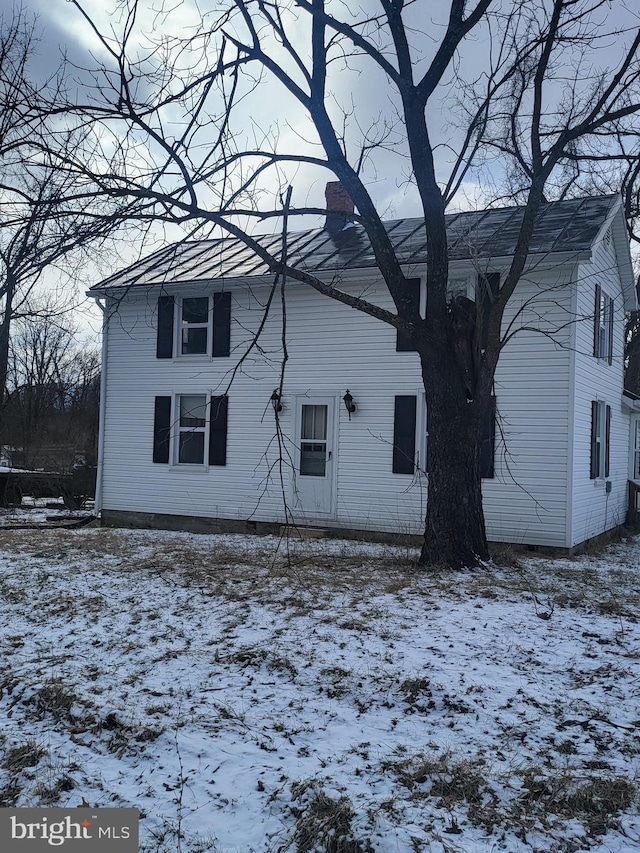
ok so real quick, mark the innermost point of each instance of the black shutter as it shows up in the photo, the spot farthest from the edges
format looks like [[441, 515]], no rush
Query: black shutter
[[218, 431], [404, 434], [607, 442], [164, 346], [161, 429], [487, 288], [610, 323], [594, 444], [488, 442], [596, 322], [221, 324], [412, 299]]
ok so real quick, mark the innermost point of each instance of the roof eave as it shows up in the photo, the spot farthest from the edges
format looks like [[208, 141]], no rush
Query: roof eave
[[620, 237], [537, 260]]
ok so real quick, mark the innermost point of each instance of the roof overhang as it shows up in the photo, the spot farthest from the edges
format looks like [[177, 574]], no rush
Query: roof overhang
[[535, 262], [620, 236], [630, 404]]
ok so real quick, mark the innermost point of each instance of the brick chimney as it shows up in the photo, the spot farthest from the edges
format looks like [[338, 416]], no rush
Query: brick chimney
[[339, 207]]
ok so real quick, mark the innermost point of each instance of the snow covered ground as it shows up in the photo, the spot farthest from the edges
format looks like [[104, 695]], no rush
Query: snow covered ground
[[247, 697], [40, 511]]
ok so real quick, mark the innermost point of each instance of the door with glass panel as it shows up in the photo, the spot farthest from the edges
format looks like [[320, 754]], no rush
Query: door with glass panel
[[314, 480]]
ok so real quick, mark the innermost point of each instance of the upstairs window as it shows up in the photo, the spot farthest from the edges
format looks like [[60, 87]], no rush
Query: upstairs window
[[195, 325], [457, 287], [603, 326], [203, 326]]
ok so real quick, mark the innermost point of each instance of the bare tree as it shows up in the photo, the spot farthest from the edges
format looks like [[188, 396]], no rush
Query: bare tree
[[16, 45], [548, 96], [43, 228], [51, 412]]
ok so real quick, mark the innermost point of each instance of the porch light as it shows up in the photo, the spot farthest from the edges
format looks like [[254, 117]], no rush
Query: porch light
[[276, 400], [349, 405]]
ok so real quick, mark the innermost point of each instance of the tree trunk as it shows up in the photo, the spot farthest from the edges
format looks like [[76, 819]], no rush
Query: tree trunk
[[455, 533], [5, 327], [4, 360]]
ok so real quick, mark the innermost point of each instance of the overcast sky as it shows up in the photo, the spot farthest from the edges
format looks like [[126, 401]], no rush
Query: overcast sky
[[62, 30], [361, 87]]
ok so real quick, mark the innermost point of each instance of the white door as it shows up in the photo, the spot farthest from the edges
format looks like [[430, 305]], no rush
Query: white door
[[314, 480]]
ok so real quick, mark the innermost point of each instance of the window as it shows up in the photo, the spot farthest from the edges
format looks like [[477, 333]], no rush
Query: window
[[600, 439], [197, 431], [404, 438], [194, 335], [457, 287], [603, 326], [191, 429], [313, 441], [404, 434], [203, 326]]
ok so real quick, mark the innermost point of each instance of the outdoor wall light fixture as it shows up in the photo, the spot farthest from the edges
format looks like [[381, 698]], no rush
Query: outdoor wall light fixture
[[276, 400], [349, 405]]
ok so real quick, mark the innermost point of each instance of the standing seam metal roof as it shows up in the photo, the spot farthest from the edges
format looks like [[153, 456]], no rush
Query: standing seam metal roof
[[562, 226]]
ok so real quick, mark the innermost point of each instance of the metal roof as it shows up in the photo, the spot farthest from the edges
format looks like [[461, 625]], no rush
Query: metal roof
[[561, 226]]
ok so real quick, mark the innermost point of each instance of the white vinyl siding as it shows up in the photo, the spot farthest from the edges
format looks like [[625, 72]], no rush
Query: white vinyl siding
[[331, 349], [594, 508], [526, 501]]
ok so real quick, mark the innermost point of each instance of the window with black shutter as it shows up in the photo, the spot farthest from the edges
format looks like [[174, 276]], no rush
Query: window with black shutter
[[595, 444], [600, 454], [404, 434], [603, 316], [412, 300], [204, 326], [195, 441], [607, 441], [487, 444]]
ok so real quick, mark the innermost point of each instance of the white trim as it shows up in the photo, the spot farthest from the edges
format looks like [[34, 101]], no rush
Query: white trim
[[176, 429], [571, 413], [601, 439], [420, 458], [634, 423], [178, 327], [606, 311], [333, 402], [97, 505]]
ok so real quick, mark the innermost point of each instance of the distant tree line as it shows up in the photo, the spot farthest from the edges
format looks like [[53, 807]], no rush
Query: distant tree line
[[49, 415]]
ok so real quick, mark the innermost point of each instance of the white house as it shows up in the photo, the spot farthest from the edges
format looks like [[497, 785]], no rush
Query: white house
[[188, 431]]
